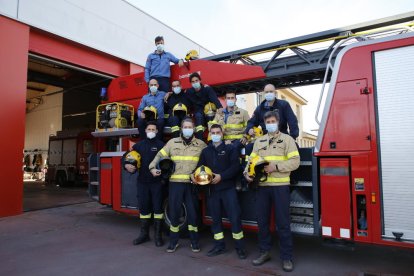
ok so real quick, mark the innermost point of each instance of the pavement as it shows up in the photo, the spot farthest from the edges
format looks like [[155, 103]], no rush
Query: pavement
[[90, 239]]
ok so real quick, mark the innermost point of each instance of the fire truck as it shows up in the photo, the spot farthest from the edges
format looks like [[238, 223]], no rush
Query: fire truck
[[357, 183]]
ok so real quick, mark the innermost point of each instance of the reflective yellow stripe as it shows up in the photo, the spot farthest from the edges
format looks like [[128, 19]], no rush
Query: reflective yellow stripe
[[199, 128], [213, 122], [231, 137], [278, 180], [166, 116], [219, 236], [158, 216], [174, 229], [238, 236], [275, 158], [293, 153], [192, 228], [163, 152], [175, 128], [234, 125], [184, 158], [145, 216], [180, 176], [253, 154]]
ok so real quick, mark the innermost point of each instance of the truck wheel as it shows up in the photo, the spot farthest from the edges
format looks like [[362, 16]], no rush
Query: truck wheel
[[183, 225], [61, 179]]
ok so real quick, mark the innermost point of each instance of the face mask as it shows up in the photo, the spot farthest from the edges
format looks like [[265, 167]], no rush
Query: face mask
[[188, 132], [272, 128], [216, 138], [269, 96], [151, 135], [177, 90], [153, 89], [230, 103], [160, 47], [196, 85]]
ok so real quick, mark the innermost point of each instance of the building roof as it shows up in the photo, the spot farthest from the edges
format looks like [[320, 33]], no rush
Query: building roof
[[293, 94]]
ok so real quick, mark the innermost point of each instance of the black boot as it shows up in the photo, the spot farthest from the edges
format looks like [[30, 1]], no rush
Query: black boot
[[158, 232], [144, 235]]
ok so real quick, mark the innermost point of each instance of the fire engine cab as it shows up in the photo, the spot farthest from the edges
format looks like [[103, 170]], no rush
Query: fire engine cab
[[357, 184]]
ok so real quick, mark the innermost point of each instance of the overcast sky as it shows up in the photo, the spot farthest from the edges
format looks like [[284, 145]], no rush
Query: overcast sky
[[228, 25]]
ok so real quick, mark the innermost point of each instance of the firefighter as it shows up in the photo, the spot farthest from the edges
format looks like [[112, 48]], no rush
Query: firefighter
[[223, 160], [158, 65], [149, 187], [279, 149], [151, 108], [200, 95], [184, 151], [178, 105]]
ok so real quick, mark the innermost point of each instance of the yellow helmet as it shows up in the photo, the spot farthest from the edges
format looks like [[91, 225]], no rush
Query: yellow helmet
[[256, 168], [133, 158], [191, 55], [150, 113], [258, 131], [210, 109], [180, 109], [203, 175]]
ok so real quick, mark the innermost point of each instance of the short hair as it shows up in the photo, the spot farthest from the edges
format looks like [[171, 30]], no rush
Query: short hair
[[187, 120], [153, 79], [159, 38], [194, 75], [274, 87], [270, 114], [230, 92], [175, 81], [152, 123], [216, 126]]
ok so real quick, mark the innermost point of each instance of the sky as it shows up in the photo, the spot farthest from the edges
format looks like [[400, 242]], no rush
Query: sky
[[228, 25]]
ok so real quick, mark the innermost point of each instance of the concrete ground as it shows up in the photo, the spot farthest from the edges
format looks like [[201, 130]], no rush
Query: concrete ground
[[89, 239]]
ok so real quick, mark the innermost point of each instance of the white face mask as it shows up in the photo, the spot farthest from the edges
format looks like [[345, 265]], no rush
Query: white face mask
[[196, 85], [151, 135], [272, 128], [230, 103], [187, 132], [269, 96], [153, 89], [160, 47], [177, 90], [215, 138]]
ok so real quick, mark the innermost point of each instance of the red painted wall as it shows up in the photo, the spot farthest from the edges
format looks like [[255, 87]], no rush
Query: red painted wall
[[13, 78]]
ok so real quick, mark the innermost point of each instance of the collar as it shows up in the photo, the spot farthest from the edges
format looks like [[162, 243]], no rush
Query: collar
[[219, 147], [267, 106], [272, 138], [229, 112], [187, 141]]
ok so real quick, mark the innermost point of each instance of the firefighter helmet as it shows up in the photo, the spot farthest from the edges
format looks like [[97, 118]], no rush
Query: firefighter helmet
[[150, 113], [191, 55], [180, 110], [133, 158], [166, 166], [203, 175], [256, 168], [210, 110]]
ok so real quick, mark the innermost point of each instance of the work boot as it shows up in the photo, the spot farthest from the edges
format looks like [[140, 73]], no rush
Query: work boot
[[144, 235], [264, 257], [217, 250], [195, 247], [172, 247], [158, 233], [287, 265], [241, 253]]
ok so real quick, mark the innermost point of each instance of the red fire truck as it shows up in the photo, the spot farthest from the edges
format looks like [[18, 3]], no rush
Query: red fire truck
[[357, 183]]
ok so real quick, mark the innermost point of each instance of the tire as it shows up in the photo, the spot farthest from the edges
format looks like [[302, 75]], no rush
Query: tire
[[183, 219]]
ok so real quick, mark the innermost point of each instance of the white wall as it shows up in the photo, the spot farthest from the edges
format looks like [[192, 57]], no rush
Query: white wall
[[112, 26]]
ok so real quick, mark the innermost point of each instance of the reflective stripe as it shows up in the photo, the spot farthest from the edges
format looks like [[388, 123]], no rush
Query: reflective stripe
[[158, 216], [234, 125], [213, 122], [192, 228], [238, 236], [277, 179], [184, 158], [145, 216], [274, 158], [253, 154], [219, 236], [293, 153], [231, 137], [180, 176], [174, 229], [163, 152], [175, 128], [199, 128], [166, 116]]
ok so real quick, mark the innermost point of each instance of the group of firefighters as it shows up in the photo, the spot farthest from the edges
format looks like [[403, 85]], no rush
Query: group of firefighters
[[186, 160]]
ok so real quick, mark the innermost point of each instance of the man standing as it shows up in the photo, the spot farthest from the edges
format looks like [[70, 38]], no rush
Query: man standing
[[223, 160], [178, 105], [185, 152], [154, 101], [149, 187], [158, 65], [280, 151], [200, 95]]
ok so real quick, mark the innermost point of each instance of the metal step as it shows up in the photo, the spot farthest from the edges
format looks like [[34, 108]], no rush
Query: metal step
[[301, 204], [302, 228], [301, 211], [95, 198], [94, 183], [301, 219], [306, 163], [302, 184], [94, 169]]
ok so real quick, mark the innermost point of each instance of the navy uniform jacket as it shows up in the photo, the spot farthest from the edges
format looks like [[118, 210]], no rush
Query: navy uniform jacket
[[200, 98], [147, 148], [222, 160], [287, 117], [178, 98]]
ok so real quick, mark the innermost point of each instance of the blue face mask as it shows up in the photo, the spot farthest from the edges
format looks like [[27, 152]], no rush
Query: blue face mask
[[230, 103], [269, 96], [153, 89], [177, 90], [196, 85], [188, 132], [215, 138], [160, 47], [272, 128]]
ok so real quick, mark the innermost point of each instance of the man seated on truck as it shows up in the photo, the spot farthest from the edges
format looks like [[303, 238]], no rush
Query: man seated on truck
[[153, 102], [158, 65], [199, 96], [178, 106], [149, 187], [223, 160], [280, 151]]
